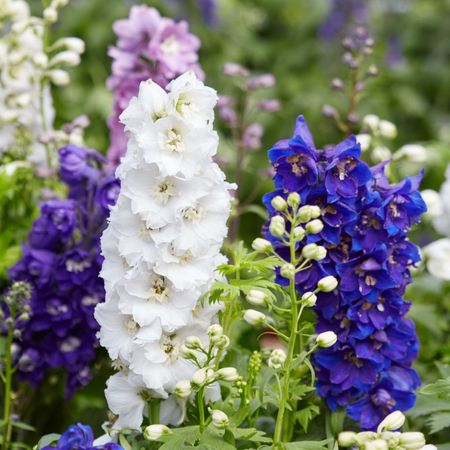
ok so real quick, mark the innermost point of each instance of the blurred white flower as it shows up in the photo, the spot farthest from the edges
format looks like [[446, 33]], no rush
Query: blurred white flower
[[437, 255]]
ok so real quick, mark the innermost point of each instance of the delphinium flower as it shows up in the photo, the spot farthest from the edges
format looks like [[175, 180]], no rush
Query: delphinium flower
[[365, 225], [30, 63], [161, 246], [61, 261], [80, 437], [148, 46], [241, 115]]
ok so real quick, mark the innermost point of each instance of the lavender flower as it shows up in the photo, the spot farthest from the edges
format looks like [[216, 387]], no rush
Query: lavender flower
[[366, 221], [61, 261], [148, 46]]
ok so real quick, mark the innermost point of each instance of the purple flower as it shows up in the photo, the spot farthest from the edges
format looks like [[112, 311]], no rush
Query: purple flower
[[148, 46], [62, 261], [366, 221], [252, 136], [80, 437]]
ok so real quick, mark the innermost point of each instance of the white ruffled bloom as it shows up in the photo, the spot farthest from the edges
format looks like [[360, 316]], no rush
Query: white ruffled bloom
[[162, 246], [437, 256], [26, 105]]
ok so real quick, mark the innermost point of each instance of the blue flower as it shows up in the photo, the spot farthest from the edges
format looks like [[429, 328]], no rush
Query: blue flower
[[366, 220]]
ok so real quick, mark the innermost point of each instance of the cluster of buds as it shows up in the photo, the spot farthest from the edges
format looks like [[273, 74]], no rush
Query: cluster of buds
[[234, 115], [357, 47], [15, 308], [386, 437]]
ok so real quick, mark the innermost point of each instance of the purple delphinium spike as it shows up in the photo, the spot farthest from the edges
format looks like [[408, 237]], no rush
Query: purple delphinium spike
[[148, 46], [61, 261], [366, 221]]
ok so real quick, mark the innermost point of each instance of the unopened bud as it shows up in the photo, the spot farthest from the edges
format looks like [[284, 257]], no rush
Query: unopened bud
[[201, 377], [256, 297], [314, 252], [279, 203], [327, 284], [154, 432], [73, 44], [50, 15], [346, 438], [193, 343], [215, 331], [227, 374], [299, 233], [40, 60], [59, 77], [219, 419], [309, 299], [277, 358], [315, 226], [66, 58], [412, 440], [183, 389], [288, 271], [187, 353], [364, 140], [326, 339], [387, 129], [293, 200], [277, 226], [253, 317], [261, 245], [377, 444], [393, 421], [372, 122], [221, 341]]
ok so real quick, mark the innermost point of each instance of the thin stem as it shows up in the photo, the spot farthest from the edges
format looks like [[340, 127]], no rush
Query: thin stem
[[290, 356], [7, 432], [201, 408]]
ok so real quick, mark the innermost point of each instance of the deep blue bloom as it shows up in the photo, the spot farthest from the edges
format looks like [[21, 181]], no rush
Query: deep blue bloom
[[366, 220], [80, 437], [62, 262]]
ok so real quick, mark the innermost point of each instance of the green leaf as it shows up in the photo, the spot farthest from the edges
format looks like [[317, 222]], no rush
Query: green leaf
[[441, 387], [305, 415], [213, 438], [23, 426], [438, 421], [48, 439], [250, 434], [124, 443], [180, 437], [426, 405], [307, 445]]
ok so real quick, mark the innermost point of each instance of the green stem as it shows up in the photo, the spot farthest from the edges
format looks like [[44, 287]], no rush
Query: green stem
[[290, 356], [7, 432], [201, 409]]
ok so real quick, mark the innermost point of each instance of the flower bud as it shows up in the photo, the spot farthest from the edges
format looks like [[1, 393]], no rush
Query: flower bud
[[365, 436], [73, 44], [40, 60], [293, 200], [315, 226], [429, 447], [193, 343], [261, 245], [364, 140], [346, 438], [372, 122], [288, 271], [215, 332], [254, 317], [387, 129], [299, 233], [381, 153], [377, 444], [66, 58], [187, 353], [326, 339], [227, 374], [50, 15], [314, 251], [433, 200], [304, 213], [59, 77], [8, 116], [183, 389], [315, 211], [327, 284], [277, 358], [221, 341], [413, 152], [201, 377], [309, 299], [219, 419], [277, 226], [154, 432], [412, 440], [393, 421], [256, 297], [279, 203]]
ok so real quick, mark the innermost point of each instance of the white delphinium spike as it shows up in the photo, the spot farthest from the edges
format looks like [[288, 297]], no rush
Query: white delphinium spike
[[162, 244]]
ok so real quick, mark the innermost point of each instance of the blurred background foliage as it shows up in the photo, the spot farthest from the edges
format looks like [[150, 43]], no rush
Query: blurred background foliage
[[293, 40]]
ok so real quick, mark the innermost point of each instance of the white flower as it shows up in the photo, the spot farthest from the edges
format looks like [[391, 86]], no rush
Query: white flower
[[413, 152], [437, 255], [364, 140], [128, 397], [192, 100], [381, 153], [432, 199], [387, 129], [175, 146]]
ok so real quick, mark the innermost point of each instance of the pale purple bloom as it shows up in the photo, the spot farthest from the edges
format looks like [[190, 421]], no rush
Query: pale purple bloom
[[234, 70], [262, 81], [252, 136]]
